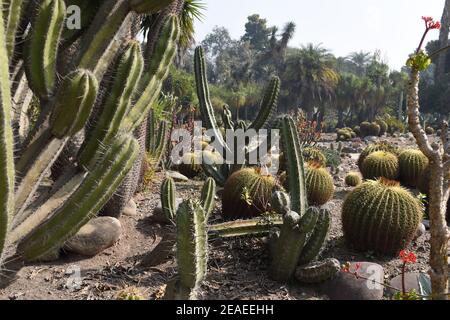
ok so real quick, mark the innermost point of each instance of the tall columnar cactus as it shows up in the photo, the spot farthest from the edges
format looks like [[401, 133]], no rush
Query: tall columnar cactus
[[168, 202], [381, 164], [268, 108], [381, 216], [37, 224], [303, 233], [412, 166], [192, 251]]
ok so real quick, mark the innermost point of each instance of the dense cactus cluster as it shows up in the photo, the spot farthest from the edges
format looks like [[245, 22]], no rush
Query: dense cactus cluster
[[353, 179], [345, 134], [369, 129], [247, 194], [412, 165], [381, 164], [381, 216], [67, 95], [383, 127], [319, 184]]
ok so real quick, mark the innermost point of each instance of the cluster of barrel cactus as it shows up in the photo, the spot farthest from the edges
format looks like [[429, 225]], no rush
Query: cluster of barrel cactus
[[305, 229], [221, 171], [67, 96], [369, 129], [381, 216], [345, 134]]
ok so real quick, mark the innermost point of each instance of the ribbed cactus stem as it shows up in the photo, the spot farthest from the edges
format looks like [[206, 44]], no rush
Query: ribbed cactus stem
[[281, 203], [227, 118], [12, 23], [239, 228], [268, 105], [294, 164], [94, 54], [208, 196], [127, 74], [93, 193], [168, 202], [192, 242], [42, 46], [316, 240], [206, 108], [289, 245], [155, 74], [6, 143], [318, 272]]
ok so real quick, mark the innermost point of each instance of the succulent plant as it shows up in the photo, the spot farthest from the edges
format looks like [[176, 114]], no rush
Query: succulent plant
[[222, 171], [383, 126], [353, 179], [381, 216], [412, 166], [314, 154], [369, 129], [319, 184], [380, 146], [381, 164], [191, 165], [67, 95], [247, 194], [429, 130]]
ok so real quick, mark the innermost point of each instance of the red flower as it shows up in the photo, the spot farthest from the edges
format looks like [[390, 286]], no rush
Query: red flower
[[431, 24], [408, 257]]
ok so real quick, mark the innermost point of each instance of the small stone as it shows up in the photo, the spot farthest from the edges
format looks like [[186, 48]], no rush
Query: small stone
[[131, 209], [421, 231], [426, 223], [96, 236], [158, 209], [176, 176], [371, 139], [346, 286]]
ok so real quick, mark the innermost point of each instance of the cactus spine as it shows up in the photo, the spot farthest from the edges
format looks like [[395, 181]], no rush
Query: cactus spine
[[380, 216], [381, 164], [412, 166], [319, 184], [192, 251], [44, 39], [168, 204], [6, 144]]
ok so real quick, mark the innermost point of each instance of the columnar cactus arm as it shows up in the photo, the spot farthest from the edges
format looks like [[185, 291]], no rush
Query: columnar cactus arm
[[95, 53], [227, 118], [294, 165], [168, 204], [155, 75], [206, 108], [290, 244], [268, 105], [208, 196], [316, 240], [44, 39], [241, 228], [6, 144], [93, 193], [213, 172], [192, 241], [127, 74], [12, 22], [318, 272]]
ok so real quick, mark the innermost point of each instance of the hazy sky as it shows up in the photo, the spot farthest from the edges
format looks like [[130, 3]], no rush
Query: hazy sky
[[343, 26]]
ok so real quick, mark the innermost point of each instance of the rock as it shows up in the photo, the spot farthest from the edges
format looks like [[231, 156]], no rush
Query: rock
[[411, 282], [131, 209], [372, 139], [158, 209], [426, 223], [346, 286], [421, 231], [97, 235], [176, 176], [348, 149]]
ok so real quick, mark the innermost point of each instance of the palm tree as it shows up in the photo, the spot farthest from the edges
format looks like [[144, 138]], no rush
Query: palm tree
[[310, 73], [360, 60]]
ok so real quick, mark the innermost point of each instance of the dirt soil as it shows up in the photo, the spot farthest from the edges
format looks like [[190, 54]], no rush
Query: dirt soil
[[237, 268]]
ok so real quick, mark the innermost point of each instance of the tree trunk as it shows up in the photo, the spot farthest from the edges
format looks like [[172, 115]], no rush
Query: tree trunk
[[441, 67], [439, 157]]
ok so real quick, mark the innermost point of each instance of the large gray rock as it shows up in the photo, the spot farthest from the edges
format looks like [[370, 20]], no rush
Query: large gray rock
[[96, 236], [411, 282], [346, 286]]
